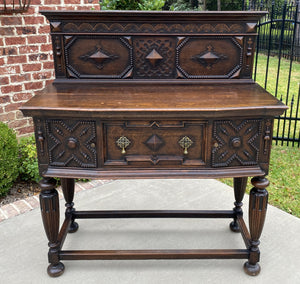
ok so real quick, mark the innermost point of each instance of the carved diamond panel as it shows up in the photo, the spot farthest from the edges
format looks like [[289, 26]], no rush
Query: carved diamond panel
[[236, 143], [71, 143], [98, 56], [208, 57], [154, 142], [154, 57]]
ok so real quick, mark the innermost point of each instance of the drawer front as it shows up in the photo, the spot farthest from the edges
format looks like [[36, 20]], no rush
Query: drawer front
[[95, 148], [155, 144], [71, 143], [237, 143]]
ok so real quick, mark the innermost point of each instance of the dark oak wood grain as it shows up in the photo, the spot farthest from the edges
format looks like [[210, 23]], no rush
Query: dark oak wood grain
[[154, 254], [154, 100], [153, 95]]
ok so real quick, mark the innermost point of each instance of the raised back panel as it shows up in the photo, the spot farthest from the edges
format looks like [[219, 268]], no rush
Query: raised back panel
[[153, 45]]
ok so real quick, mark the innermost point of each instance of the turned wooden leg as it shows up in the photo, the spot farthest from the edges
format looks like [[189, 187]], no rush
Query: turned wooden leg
[[68, 185], [239, 185], [257, 212], [49, 202]]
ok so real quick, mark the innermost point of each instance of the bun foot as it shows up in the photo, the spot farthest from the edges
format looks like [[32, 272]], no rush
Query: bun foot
[[251, 269], [55, 270], [234, 227], [73, 227]]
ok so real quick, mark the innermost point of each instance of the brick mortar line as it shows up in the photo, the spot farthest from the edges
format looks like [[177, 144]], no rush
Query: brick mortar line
[[15, 207], [3, 213], [24, 200]]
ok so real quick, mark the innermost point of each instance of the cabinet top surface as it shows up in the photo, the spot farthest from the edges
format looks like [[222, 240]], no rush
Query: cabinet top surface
[[149, 97], [158, 15]]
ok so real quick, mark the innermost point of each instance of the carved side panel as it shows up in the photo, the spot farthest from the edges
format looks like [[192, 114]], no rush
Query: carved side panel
[[249, 47], [71, 143], [209, 57], [267, 135], [98, 57], [236, 143], [154, 57], [41, 144], [58, 55]]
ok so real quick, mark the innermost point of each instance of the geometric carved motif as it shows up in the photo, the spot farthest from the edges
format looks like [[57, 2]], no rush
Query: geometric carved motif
[[130, 27], [154, 57], [154, 143], [208, 57], [220, 57], [99, 57], [236, 143], [71, 143]]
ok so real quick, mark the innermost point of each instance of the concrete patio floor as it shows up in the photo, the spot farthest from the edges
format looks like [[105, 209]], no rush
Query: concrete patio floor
[[23, 244]]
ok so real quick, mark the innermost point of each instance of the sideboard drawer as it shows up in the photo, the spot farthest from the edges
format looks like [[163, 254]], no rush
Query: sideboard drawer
[[237, 142], [70, 143], [162, 144], [155, 143]]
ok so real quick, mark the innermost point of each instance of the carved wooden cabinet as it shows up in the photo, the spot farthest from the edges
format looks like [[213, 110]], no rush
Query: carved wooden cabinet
[[149, 95]]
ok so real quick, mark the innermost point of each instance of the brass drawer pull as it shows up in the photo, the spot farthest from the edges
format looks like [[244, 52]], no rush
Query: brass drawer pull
[[185, 143], [123, 142]]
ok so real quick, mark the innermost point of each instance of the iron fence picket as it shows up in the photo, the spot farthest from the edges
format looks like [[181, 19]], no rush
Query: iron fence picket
[[278, 36]]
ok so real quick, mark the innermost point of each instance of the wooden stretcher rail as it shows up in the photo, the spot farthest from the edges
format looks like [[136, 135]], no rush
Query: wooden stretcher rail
[[244, 231], [154, 214], [154, 254]]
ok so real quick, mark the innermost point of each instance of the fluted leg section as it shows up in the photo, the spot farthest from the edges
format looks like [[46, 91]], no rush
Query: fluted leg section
[[68, 185], [49, 202], [257, 212], [239, 185]]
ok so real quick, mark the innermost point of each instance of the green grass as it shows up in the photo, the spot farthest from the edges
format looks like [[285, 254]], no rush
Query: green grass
[[284, 176], [281, 90], [283, 76]]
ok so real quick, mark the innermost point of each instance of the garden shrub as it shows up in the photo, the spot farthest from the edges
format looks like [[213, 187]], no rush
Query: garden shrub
[[180, 5], [9, 161], [131, 4], [29, 170]]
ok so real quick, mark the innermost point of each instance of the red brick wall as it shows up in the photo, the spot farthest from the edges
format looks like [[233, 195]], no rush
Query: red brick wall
[[26, 58]]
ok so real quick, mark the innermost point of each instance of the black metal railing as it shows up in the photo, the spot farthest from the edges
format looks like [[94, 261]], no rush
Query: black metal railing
[[13, 6], [278, 47]]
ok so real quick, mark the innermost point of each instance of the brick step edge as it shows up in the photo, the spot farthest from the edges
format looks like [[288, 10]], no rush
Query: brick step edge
[[21, 206]]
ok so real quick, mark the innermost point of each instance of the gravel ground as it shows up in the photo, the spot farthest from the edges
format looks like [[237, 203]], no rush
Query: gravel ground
[[20, 190]]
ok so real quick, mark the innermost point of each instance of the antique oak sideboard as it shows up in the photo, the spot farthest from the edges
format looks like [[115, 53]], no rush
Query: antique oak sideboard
[[153, 95]]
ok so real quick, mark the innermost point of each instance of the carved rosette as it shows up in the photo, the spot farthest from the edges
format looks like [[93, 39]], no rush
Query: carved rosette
[[236, 143], [72, 143]]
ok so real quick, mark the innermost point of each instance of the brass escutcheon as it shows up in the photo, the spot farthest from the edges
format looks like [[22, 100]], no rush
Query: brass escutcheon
[[123, 142], [185, 143]]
